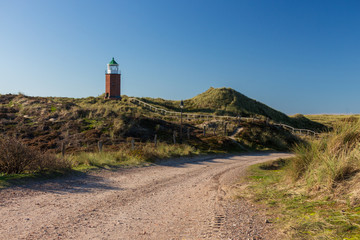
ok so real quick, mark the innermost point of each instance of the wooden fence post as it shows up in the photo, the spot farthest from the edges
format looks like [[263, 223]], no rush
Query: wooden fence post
[[63, 148], [100, 146], [204, 131], [155, 140], [132, 144]]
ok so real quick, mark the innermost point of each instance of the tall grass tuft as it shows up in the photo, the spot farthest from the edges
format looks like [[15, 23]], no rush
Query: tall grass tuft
[[324, 162]]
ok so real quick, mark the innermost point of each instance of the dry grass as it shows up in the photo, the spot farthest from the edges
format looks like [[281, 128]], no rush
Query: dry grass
[[324, 162], [296, 213], [141, 154], [331, 120], [314, 195]]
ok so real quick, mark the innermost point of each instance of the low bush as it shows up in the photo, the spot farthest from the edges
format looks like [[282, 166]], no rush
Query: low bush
[[16, 157]]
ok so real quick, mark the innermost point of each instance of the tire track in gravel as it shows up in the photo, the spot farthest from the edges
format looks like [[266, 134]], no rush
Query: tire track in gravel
[[176, 199]]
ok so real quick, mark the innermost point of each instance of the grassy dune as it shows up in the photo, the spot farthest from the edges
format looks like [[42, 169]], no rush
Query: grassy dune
[[331, 120], [227, 101], [316, 194]]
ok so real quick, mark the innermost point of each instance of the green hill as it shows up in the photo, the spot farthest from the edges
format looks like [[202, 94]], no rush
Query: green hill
[[227, 101]]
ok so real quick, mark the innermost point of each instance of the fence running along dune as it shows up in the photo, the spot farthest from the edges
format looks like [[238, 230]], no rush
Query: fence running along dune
[[205, 117]]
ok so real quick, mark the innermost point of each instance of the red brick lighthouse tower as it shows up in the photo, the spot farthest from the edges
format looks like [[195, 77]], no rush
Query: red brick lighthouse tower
[[112, 81]]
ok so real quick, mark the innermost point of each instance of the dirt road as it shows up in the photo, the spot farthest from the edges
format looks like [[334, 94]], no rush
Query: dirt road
[[181, 199]]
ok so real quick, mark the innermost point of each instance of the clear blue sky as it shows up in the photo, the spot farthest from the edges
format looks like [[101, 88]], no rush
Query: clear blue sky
[[295, 56]]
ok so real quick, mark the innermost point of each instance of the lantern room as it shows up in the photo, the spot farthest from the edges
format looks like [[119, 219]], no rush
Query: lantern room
[[113, 67]]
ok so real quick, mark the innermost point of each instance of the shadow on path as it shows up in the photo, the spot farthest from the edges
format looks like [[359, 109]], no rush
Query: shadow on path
[[71, 182], [181, 162]]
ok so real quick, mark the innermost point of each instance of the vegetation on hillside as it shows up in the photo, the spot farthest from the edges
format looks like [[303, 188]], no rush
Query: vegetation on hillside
[[227, 101], [47, 123], [260, 136]]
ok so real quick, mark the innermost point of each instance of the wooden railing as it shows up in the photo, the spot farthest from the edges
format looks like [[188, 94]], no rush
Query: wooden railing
[[205, 117], [296, 130]]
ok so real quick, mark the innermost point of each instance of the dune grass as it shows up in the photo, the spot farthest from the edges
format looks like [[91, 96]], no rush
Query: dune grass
[[141, 155], [296, 213], [315, 194], [331, 120], [322, 163]]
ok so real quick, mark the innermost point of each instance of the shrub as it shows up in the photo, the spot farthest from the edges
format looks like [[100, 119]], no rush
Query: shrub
[[16, 157]]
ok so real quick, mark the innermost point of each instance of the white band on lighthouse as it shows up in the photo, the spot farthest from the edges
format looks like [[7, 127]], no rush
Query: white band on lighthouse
[[112, 67]]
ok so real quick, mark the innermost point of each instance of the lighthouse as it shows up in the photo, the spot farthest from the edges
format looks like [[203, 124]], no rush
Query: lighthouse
[[112, 80]]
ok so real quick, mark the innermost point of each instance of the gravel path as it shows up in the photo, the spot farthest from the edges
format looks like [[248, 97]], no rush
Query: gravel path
[[178, 199]]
